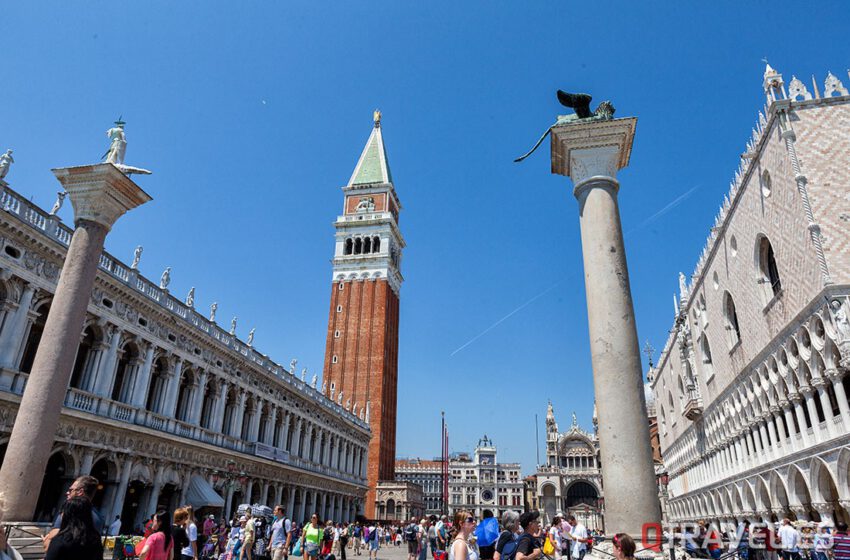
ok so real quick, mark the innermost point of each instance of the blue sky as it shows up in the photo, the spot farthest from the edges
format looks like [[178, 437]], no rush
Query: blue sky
[[253, 114]]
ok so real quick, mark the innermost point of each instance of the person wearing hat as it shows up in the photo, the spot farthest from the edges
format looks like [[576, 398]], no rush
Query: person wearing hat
[[529, 547]]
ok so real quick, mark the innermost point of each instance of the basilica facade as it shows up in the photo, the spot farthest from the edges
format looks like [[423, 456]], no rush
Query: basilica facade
[[570, 482], [165, 406], [751, 388]]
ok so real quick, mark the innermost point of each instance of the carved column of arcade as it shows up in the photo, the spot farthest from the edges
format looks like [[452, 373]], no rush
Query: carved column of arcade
[[197, 405], [296, 437], [835, 377], [819, 383], [155, 490], [284, 433], [100, 194], [271, 422], [143, 376], [236, 428], [104, 376], [788, 415], [12, 338], [264, 495], [121, 491], [797, 400], [290, 503], [254, 427], [218, 415], [169, 406]]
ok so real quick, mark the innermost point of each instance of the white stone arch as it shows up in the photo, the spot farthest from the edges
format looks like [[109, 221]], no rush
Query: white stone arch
[[822, 484], [762, 494], [843, 473], [141, 472], [747, 495], [778, 490], [799, 493]]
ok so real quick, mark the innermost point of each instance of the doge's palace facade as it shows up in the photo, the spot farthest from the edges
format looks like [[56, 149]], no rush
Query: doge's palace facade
[[164, 406], [751, 387]]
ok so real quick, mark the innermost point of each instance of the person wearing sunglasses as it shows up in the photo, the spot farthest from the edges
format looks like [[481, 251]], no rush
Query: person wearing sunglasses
[[311, 538], [463, 527]]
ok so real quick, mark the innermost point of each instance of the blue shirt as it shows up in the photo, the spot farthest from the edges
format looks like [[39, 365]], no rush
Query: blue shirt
[[278, 532]]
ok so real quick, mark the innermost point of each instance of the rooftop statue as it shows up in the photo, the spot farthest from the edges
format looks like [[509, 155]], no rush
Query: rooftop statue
[[251, 337], [580, 103], [60, 198], [292, 365], [190, 298], [233, 325], [213, 309], [137, 256], [117, 149], [6, 161], [165, 279]]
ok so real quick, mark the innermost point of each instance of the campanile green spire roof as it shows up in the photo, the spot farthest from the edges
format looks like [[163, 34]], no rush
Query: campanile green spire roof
[[372, 167]]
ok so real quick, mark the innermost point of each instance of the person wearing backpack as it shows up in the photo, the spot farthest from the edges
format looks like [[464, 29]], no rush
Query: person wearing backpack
[[410, 534], [528, 544], [357, 536], [508, 536], [372, 537]]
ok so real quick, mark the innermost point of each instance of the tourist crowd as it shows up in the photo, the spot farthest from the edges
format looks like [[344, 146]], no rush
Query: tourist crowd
[[259, 533]]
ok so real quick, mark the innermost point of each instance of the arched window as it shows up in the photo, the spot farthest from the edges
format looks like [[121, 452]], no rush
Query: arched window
[[731, 316], [358, 246], [769, 272], [349, 246], [376, 244], [367, 245], [705, 351]]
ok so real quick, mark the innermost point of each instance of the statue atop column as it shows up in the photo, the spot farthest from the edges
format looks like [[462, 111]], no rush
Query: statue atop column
[[60, 199], [6, 161], [315, 381], [137, 256], [339, 398], [213, 309], [292, 365], [118, 148], [165, 279], [325, 387], [251, 337], [683, 288], [233, 325], [304, 375], [190, 298], [580, 103]]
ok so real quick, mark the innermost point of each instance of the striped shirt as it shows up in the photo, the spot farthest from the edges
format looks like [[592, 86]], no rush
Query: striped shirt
[[841, 546]]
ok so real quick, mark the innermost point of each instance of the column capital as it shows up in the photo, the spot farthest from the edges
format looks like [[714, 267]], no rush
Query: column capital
[[100, 193], [586, 148]]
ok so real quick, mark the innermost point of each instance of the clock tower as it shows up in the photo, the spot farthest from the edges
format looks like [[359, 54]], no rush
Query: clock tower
[[361, 354]]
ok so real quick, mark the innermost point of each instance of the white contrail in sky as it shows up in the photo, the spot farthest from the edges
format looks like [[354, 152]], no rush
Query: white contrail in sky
[[506, 317], [678, 200]]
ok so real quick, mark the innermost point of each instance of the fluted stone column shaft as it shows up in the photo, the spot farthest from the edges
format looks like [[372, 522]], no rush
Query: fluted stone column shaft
[[591, 153], [105, 376], [218, 415], [13, 335], [121, 491], [841, 396], [143, 378], [168, 404]]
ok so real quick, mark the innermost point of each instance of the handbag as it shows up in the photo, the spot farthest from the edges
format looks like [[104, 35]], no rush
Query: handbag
[[296, 550], [548, 547], [140, 545]]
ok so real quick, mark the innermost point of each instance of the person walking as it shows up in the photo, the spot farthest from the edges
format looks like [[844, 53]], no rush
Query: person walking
[[486, 535], [191, 550], [249, 535], [357, 537], [77, 537], [555, 537], [841, 542], [790, 540], [462, 528], [374, 540], [280, 536], [311, 538], [422, 537], [624, 546], [159, 545], [442, 533], [343, 540], [411, 537], [432, 533], [579, 537]]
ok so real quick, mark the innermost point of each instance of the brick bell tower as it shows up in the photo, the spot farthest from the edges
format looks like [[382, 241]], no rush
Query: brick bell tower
[[361, 355]]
